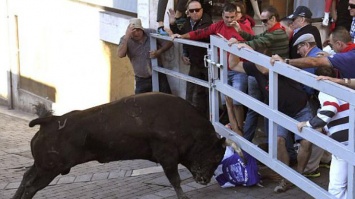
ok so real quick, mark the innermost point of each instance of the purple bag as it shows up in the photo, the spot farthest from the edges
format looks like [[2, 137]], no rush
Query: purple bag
[[233, 171]]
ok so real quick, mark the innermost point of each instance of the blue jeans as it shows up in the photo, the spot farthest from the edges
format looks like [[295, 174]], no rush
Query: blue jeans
[[238, 81], [251, 120], [303, 115]]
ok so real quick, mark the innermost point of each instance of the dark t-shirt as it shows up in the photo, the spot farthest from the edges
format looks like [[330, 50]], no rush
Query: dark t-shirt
[[292, 98]]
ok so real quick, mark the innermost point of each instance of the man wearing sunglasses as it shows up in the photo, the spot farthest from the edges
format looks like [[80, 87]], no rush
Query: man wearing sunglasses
[[194, 56], [352, 13], [274, 39], [225, 29], [302, 24]]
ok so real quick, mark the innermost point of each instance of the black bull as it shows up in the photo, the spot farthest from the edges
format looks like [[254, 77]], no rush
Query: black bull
[[153, 126]]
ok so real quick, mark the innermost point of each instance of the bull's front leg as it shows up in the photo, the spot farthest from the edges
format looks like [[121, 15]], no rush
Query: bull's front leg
[[26, 178], [168, 157], [33, 180], [173, 176]]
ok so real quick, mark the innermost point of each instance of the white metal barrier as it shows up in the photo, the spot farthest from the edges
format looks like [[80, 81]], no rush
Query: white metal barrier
[[217, 84]]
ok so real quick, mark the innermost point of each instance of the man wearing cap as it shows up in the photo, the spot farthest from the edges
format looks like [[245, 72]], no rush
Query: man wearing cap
[[343, 60], [302, 19], [136, 45], [306, 47]]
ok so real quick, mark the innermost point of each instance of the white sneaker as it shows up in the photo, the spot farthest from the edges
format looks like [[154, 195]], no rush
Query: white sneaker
[[325, 21]]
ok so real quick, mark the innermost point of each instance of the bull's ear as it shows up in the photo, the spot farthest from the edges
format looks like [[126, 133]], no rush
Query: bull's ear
[[40, 121]]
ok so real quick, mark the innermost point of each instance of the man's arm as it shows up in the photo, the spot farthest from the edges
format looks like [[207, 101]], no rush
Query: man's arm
[[328, 110], [306, 62], [197, 34], [122, 47], [165, 47], [345, 82], [262, 69], [184, 36]]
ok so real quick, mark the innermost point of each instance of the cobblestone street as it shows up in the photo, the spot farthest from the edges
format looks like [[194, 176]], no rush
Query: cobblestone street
[[123, 179]]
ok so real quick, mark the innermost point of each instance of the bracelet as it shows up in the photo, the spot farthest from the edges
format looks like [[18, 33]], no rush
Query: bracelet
[[287, 61]]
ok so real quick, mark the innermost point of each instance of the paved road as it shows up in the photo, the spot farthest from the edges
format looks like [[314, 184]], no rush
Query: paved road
[[136, 179]]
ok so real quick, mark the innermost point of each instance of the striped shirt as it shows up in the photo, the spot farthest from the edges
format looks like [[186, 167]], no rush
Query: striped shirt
[[270, 42], [335, 115]]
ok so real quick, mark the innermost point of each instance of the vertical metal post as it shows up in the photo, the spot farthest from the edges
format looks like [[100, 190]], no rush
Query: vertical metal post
[[214, 93], [154, 62], [273, 104]]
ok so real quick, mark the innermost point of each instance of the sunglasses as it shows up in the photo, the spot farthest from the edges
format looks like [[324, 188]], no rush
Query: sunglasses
[[266, 20], [195, 10], [352, 6]]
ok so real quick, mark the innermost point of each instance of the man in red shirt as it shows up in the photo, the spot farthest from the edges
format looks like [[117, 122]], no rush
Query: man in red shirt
[[225, 28]]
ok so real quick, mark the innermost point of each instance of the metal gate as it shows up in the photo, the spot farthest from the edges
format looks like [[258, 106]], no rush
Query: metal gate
[[216, 61]]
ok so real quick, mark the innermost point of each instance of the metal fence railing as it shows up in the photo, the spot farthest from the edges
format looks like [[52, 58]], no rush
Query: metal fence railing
[[217, 84]]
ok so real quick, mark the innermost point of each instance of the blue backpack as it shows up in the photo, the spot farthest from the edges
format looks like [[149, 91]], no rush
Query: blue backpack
[[233, 171]]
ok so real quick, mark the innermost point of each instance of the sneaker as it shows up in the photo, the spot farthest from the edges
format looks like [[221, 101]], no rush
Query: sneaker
[[283, 186], [161, 31], [324, 165], [325, 21], [313, 174]]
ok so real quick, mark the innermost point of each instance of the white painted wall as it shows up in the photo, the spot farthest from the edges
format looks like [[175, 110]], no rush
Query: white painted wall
[[4, 52]]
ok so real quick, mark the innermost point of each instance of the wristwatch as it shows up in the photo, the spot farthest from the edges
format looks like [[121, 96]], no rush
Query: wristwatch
[[287, 61]]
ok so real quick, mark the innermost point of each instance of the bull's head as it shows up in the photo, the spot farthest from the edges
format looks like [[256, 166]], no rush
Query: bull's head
[[207, 161]]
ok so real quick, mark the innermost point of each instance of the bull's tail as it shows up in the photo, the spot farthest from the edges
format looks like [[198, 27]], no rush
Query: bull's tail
[[42, 111]]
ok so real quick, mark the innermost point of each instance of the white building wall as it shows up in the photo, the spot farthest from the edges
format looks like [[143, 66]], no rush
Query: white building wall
[[4, 52], [61, 46]]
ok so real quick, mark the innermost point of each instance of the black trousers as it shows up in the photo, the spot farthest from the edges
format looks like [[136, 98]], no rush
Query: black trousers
[[144, 85], [198, 95]]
